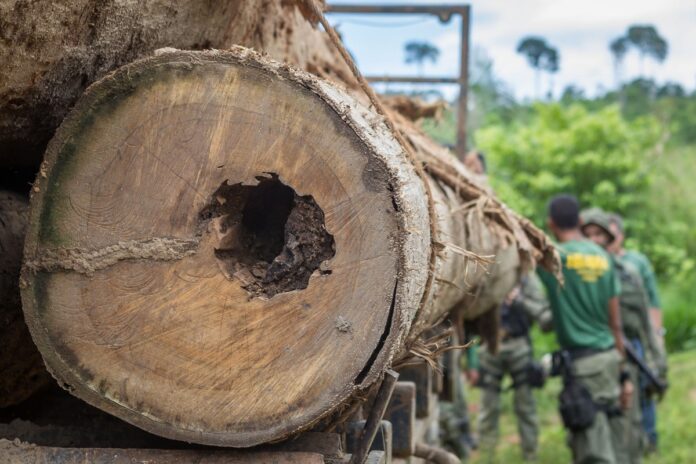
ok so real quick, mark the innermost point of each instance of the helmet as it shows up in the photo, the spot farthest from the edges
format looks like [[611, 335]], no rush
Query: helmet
[[599, 218]]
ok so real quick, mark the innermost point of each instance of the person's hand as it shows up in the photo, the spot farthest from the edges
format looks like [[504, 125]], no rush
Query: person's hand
[[627, 392], [472, 376], [512, 295]]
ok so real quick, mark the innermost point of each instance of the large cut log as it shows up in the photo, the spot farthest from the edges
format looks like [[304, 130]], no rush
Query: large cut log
[[224, 249], [22, 372]]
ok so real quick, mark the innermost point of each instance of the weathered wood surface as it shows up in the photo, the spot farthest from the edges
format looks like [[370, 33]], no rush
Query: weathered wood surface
[[139, 288], [52, 50], [14, 452], [22, 371]]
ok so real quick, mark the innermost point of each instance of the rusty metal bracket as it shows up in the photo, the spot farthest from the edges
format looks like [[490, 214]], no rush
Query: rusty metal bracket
[[375, 417]]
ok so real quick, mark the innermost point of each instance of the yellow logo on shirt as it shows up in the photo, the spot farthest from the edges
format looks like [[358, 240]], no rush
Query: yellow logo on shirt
[[590, 267]]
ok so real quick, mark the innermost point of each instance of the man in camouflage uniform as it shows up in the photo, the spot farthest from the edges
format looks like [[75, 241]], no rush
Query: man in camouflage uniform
[[642, 263], [526, 302], [635, 320]]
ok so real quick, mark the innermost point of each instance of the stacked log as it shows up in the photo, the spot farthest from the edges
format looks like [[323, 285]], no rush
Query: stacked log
[[227, 249], [53, 50], [21, 370]]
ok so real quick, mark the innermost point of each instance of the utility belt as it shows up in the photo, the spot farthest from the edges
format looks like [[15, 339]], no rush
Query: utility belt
[[532, 374], [575, 403], [579, 353]]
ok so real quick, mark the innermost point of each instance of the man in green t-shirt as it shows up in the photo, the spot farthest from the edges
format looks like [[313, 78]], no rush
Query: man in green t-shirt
[[587, 322]]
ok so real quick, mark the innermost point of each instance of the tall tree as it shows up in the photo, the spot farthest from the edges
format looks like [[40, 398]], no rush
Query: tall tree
[[618, 48], [420, 52], [540, 56], [572, 93], [551, 63], [648, 42]]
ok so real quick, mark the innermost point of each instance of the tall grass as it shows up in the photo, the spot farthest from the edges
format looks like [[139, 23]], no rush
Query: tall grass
[[673, 203], [679, 317]]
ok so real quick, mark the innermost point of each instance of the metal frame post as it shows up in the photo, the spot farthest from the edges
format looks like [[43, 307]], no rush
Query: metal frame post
[[462, 106], [444, 14]]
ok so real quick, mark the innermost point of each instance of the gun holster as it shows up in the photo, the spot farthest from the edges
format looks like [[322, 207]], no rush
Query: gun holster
[[536, 378], [575, 403]]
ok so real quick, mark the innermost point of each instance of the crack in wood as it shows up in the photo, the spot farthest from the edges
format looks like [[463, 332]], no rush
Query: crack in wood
[[85, 261]]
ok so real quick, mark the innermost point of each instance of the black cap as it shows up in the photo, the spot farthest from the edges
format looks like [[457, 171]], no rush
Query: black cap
[[564, 211]]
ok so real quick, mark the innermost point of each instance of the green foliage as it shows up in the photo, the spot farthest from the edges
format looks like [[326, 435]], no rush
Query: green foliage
[[636, 165], [607, 161], [672, 215], [679, 317], [444, 130], [669, 103], [597, 156]]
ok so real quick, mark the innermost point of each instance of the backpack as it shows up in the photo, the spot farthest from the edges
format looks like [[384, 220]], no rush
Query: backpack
[[633, 298]]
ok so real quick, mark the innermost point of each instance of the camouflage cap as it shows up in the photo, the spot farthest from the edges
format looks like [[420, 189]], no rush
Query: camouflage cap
[[617, 220], [597, 217]]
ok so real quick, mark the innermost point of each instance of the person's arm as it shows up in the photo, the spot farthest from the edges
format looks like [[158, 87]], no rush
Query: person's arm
[[472, 364], [658, 328], [650, 282], [536, 304], [615, 324]]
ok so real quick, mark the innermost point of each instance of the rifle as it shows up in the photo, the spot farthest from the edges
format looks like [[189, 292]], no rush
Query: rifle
[[656, 383]]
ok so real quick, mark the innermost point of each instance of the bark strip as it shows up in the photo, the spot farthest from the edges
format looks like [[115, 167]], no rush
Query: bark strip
[[88, 261]]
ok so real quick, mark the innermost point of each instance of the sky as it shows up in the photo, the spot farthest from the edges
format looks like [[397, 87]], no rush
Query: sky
[[580, 29]]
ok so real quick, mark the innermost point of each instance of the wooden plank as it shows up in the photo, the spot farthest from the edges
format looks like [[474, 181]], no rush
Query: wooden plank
[[21, 453], [21, 367], [377, 457], [326, 444], [421, 375], [402, 415], [382, 442]]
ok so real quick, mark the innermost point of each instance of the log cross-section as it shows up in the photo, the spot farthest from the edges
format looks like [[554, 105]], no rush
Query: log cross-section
[[222, 249]]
